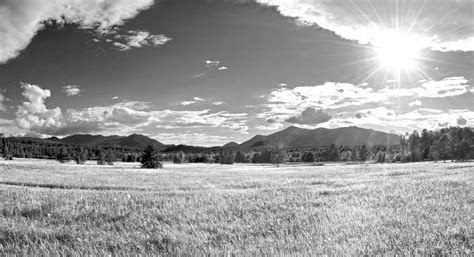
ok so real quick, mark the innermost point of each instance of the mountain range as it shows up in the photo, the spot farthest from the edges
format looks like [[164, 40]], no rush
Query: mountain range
[[299, 137], [289, 137]]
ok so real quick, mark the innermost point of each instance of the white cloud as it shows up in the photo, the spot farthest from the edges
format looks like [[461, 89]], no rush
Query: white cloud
[[218, 103], [34, 116], [195, 100], [20, 20], [284, 101], [138, 39], [222, 68], [384, 119], [71, 90], [415, 103], [170, 119], [273, 126], [444, 25], [115, 97], [310, 116], [192, 138], [2, 105], [211, 63]]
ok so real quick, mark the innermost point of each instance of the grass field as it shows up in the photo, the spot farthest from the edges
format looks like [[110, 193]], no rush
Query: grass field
[[51, 208]]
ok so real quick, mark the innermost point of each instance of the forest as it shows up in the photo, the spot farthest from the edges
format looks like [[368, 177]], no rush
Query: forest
[[454, 143]]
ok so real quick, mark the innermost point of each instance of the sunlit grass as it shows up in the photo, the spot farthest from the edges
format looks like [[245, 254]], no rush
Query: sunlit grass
[[215, 209]]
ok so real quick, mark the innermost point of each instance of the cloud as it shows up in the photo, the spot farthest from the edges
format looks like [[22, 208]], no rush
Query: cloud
[[34, 116], [211, 63], [192, 138], [72, 90], [461, 121], [218, 103], [273, 126], [384, 119], [195, 100], [138, 39], [271, 120], [310, 116], [20, 20], [415, 103], [171, 119], [199, 75], [285, 101], [444, 25], [222, 68], [2, 101], [115, 97]]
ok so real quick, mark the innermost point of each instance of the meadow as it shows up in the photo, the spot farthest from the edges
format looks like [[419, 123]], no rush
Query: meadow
[[195, 209]]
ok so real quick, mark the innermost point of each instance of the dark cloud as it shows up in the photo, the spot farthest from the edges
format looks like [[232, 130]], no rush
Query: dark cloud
[[271, 120], [358, 115], [310, 116]]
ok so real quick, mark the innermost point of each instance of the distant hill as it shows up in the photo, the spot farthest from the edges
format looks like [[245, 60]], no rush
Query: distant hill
[[231, 145], [135, 141], [299, 137], [87, 139]]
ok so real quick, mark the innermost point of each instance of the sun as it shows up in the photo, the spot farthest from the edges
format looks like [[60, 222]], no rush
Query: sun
[[397, 51]]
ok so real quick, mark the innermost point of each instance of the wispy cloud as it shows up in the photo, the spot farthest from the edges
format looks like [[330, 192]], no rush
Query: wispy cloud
[[138, 39], [211, 63], [218, 103], [444, 25], [285, 101], [72, 90], [21, 20], [2, 101], [195, 100]]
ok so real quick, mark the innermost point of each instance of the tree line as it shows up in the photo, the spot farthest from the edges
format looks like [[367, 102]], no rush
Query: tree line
[[454, 143]]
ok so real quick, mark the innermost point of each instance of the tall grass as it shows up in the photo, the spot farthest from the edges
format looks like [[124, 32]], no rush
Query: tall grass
[[200, 209]]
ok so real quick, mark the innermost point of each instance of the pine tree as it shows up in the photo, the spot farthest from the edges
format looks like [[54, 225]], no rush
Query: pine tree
[[278, 157], [110, 157], [100, 158], [150, 158], [63, 155]]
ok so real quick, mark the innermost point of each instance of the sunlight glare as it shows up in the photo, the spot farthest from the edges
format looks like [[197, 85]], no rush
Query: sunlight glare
[[398, 51]]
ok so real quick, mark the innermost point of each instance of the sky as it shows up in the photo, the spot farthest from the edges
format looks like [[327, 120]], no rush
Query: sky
[[207, 72]]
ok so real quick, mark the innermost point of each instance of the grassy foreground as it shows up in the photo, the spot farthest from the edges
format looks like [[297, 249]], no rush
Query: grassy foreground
[[49, 208]]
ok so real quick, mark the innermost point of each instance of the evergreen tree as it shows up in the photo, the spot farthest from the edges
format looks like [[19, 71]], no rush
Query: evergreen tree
[[278, 157], [308, 157], [150, 158], [6, 153], [256, 158], [101, 158], [63, 155], [333, 153], [110, 157], [363, 153], [227, 159], [239, 157]]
